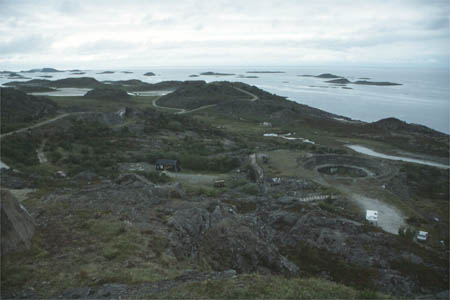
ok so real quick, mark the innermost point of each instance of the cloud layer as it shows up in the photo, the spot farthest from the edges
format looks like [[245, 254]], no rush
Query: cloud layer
[[76, 33]]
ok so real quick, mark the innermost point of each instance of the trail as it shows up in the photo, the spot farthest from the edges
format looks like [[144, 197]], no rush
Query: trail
[[43, 123], [184, 111], [41, 156]]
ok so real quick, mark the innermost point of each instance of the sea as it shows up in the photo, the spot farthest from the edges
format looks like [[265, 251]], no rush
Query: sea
[[422, 97]]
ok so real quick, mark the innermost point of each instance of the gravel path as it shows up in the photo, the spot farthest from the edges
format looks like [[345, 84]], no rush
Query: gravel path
[[194, 178], [389, 218]]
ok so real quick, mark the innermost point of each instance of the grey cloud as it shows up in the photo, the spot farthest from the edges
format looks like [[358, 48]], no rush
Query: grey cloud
[[24, 44], [100, 46]]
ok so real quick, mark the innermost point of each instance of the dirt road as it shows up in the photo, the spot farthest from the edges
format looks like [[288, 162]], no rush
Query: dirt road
[[42, 123], [184, 111], [390, 219]]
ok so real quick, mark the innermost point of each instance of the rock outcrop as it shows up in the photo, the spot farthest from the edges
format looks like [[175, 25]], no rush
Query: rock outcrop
[[17, 225]]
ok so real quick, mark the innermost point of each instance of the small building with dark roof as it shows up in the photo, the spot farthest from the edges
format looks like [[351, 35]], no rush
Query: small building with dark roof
[[168, 165]]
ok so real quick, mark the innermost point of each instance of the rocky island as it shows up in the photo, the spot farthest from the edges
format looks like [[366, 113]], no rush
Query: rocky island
[[43, 70], [215, 74]]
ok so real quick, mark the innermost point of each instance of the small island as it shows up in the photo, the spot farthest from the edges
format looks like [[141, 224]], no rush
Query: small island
[[193, 75], [342, 80], [324, 75], [43, 70], [149, 74], [339, 81], [127, 72], [264, 72], [106, 72], [380, 83], [244, 76], [216, 74]]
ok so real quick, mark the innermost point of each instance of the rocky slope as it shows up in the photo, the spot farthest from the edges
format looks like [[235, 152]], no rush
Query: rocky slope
[[18, 107]]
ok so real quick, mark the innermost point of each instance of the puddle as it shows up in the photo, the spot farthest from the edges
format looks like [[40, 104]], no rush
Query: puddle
[[64, 92], [288, 137], [367, 151]]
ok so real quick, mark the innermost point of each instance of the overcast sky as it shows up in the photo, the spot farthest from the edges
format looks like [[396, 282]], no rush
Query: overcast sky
[[128, 33]]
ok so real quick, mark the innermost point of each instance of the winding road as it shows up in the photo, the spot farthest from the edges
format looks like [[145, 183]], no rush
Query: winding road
[[42, 123], [41, 158], [184, 111]]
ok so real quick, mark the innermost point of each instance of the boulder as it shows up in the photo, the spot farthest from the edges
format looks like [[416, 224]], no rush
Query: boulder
[[17, 224]]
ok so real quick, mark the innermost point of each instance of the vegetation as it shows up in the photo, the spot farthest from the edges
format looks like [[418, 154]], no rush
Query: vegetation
[[107, 93], [19, 109], [253, 286]]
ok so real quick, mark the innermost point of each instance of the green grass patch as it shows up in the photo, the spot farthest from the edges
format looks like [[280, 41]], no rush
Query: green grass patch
[[255, 286]]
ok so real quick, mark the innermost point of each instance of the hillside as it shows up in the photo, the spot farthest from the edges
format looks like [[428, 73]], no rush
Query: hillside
[[200, 94], [81, 82], [257, 209], [18, 108]]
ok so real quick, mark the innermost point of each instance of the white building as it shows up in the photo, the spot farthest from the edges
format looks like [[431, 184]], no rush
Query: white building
[[372, 217]]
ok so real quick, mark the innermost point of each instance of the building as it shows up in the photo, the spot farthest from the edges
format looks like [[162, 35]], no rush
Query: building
[[168, 165], [372, 217]]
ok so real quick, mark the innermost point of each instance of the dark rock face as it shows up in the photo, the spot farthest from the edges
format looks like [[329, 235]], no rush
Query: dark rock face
[[226, 240], [13, 180], [17, 225]]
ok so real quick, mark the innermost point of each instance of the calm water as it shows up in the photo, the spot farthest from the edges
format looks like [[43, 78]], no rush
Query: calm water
[[423, 98]]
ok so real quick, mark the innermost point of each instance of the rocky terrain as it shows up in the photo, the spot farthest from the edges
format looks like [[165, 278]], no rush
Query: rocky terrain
[[18, 108], [106, 225]]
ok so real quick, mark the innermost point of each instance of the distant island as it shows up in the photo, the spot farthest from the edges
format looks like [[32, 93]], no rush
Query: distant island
[[106, 72], [12, 75], [244, 76], [339, 81], [264, 72], [342, 80], [215, 74], [43, 70], [149, 74], [324, 75], [193, 75], [78, 73], [364, 82], [127, 72]]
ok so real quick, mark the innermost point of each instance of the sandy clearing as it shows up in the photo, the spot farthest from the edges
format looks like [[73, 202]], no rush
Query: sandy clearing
[[390, 219]]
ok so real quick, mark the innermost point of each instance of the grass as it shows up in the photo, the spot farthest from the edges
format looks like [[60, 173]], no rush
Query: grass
[[80, 247], [102, 105], [253, 286]]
